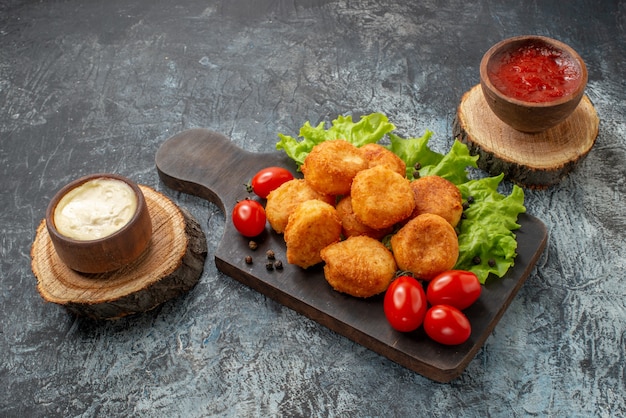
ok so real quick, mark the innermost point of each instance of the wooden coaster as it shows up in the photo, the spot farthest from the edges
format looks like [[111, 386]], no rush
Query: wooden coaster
[[171, 265], [533, 160]]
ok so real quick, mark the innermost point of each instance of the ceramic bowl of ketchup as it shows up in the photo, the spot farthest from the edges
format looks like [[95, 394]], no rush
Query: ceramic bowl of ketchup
[[99, 223], [532, 83]]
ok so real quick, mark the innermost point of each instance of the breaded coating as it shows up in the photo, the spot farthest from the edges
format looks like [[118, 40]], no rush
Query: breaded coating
[[426, 246], [359, 266], [312, 226], [352, 226], [331, 165], [376, 154], [434, 194], [381, 197], [282, 201]]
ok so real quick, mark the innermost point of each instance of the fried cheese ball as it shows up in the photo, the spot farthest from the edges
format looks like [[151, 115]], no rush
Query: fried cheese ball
[[376, 154], [434, 194], [426, 246], [359, 266], [331, 165], [352, 226], [312, 226], [282, 201], [381, 197]]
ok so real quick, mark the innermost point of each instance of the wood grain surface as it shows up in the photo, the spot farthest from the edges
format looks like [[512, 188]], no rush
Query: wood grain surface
[[208, 164], [170, 266], [534, 160]]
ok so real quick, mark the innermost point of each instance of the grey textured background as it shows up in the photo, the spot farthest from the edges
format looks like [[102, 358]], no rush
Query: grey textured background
[[91, 86]]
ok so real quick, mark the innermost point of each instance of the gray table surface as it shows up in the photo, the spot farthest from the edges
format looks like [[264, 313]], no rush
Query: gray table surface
[[91, 86]]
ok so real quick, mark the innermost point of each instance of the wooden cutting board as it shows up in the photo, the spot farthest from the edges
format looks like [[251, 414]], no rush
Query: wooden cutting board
[[209, 165]]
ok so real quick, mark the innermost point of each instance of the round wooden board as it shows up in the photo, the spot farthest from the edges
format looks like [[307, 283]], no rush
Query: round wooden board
[[533, 160], [171, 265]]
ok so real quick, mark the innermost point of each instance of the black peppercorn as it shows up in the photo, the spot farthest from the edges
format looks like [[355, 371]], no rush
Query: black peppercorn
[[491, 262], [253, 245], [270, 254], [269, 266], [476, 260], [248, 259], [278, 265]]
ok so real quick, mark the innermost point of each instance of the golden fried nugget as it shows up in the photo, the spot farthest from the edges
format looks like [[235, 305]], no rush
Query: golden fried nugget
[[352, 226], [359, 266], [376, 154], [426, 246], [282, 201], [312, 226], [331, 165], [434, 194], [381, 197]]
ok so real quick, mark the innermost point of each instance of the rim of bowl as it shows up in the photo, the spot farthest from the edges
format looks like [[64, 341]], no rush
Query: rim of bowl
[[505, 43], [141, 203]]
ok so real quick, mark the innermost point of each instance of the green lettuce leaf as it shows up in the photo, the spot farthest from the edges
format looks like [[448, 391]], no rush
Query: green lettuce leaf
[[451, 166], [487, 243], [369, 129], [413, 151]]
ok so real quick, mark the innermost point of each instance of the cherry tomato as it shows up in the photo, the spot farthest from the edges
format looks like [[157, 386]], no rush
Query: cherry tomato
[[269, 179], [456, 288], [249, 217], [447, 325], [405, 304]]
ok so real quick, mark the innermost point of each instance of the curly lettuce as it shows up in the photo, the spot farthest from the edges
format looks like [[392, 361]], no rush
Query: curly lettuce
[[369, 129], [487, 243]]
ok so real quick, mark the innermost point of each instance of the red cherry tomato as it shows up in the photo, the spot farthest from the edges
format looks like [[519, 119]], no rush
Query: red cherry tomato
[[269, 179], [456, 288], [249, 217], [405, 304], [447, 325]]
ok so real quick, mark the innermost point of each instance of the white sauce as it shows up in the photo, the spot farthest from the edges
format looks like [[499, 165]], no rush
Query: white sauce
[[95, 209]]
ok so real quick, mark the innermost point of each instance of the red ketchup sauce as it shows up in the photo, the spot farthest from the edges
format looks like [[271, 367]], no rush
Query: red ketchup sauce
[[535, 72]]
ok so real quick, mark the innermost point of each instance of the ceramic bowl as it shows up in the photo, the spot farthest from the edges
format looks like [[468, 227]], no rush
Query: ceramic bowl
[[108, 252], [524, 115]]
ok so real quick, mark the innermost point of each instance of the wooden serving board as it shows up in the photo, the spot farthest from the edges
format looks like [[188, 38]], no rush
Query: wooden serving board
[[209, 165]]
